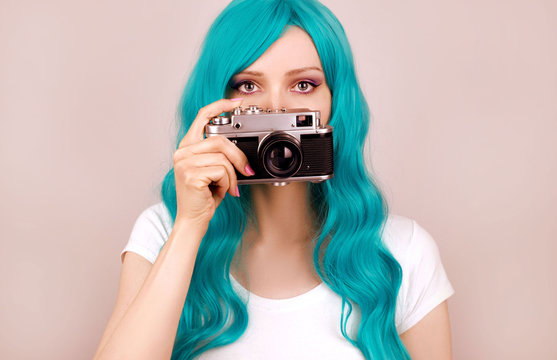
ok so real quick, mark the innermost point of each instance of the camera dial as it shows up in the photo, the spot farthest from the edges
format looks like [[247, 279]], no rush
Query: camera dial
[[221, 120], [253, 109]]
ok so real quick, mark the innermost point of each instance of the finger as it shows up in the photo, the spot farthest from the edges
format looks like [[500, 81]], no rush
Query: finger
[[216, 159], [204, 115], [217, 143], [217, 176]]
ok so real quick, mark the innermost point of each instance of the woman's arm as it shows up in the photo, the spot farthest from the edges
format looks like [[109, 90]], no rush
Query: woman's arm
[[135, 269], [147, 328], [430, 338]]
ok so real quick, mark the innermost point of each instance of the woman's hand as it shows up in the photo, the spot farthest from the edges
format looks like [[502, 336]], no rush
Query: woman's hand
[[201, 163]]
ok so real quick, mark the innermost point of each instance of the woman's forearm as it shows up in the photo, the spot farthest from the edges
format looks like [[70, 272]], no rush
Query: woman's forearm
[[148, 328]]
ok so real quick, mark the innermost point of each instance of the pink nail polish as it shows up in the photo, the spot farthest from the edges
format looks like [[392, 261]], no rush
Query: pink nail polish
[[237, 191], [249, 170]]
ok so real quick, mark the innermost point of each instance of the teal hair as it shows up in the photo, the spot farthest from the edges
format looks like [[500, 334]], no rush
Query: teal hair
[[350, 211]]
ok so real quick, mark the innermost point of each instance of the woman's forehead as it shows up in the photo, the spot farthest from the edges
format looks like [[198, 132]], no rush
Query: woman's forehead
[[294, 50]]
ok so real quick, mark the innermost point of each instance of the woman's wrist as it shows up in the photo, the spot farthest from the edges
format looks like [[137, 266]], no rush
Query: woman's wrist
[[190, 227]]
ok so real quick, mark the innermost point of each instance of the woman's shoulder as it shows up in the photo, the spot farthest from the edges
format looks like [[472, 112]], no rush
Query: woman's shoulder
[[425, 283], [158, 215], [397, 233], [150, 231], [404, 236]]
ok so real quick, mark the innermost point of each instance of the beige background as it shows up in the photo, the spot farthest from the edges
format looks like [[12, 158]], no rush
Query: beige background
[[464, 103]]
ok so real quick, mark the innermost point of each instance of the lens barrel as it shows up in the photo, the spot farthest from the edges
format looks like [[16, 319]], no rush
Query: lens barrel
[[281, 155]]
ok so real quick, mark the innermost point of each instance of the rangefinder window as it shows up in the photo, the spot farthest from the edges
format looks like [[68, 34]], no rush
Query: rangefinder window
[[304, 120]]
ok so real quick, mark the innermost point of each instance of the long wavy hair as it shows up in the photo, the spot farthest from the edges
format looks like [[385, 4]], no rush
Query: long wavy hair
[[350, 211]]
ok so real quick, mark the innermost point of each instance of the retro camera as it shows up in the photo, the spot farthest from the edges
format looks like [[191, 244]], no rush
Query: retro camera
[[282, 145]]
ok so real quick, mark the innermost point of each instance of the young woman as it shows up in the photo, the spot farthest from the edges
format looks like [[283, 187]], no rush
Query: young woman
[[301, 271]]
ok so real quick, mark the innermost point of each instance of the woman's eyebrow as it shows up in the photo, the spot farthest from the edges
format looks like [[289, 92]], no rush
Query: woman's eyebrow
[[296, 71], [291, 72]]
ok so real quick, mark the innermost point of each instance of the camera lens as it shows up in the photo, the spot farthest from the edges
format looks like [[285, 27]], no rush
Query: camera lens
[[281, 155]]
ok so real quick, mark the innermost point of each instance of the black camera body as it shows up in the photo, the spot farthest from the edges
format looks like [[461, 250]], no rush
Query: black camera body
[[282, 145]]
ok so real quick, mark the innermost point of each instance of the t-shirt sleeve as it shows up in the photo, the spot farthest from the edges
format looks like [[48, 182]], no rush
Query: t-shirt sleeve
[[149, 233], [427, 282]]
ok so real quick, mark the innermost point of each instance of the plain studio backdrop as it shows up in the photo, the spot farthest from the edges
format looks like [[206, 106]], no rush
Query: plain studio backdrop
[[463, 96]]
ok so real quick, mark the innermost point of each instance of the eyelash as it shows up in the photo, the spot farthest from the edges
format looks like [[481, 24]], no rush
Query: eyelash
[[239, 84]]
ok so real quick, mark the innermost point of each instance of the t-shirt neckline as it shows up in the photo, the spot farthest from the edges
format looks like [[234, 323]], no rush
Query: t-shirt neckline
[[308, 297]]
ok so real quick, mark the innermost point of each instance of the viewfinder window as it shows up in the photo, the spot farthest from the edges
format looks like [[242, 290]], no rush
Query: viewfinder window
[[304, 120]]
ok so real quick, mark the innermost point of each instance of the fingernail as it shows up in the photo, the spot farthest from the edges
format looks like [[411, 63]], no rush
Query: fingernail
[[249, 170], [237, 99], [237, 191]]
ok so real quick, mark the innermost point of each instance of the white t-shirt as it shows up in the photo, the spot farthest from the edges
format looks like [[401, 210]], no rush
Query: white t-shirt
[[307, 326]]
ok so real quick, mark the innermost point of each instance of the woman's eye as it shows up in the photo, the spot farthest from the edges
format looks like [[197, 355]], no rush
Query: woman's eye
[[245, 87], [305, 86]]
